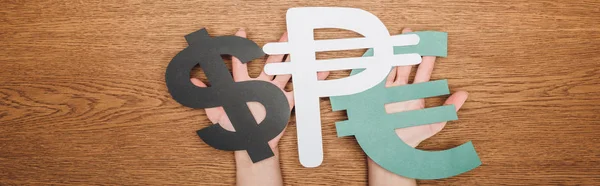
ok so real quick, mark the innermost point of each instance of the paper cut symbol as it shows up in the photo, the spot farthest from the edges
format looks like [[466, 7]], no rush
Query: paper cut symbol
[[374, 129], [301, 45], [232, 96]]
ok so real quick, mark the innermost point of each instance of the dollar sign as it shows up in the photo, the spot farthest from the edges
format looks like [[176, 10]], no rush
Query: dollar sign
[[232, 96], [374, 129]]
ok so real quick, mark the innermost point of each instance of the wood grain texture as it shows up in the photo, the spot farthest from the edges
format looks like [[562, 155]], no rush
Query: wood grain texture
[[83, 98]]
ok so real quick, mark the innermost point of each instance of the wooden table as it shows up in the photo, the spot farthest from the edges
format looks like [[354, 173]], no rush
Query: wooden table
[[83, 98]]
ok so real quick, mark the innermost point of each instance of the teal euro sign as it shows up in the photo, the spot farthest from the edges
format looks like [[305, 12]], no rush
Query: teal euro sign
[[374, 129]]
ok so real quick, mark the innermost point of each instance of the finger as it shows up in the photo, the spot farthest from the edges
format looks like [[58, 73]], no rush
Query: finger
[[213, 114], [403, 72], [240, 70], [290, 98], [457, 99], [197, 82], [282, 80], [273, 59], [425, 69], [322, 75], [390, 78], [402, 75]]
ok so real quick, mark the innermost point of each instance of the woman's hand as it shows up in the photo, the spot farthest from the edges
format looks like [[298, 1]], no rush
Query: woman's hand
[[240, 73], [412, 136], [266, 172]]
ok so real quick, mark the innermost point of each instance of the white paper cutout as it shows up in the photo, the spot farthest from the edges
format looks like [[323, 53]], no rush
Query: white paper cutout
[[303, 66]]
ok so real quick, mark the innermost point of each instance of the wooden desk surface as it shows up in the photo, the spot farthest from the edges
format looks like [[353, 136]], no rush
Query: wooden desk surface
[[83, 98]]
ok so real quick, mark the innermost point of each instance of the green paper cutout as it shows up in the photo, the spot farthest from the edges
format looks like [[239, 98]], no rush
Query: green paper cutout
[[374, 128], [431, 43]]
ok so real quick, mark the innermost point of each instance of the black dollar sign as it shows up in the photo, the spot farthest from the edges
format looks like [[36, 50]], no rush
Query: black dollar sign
[[232, 96]]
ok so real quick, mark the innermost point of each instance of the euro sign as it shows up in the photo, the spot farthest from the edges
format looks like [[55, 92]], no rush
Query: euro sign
[[303, 66], [374, 129], [232, 96]]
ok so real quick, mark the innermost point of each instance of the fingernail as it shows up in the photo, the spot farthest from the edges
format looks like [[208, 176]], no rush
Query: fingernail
[[241, 29]]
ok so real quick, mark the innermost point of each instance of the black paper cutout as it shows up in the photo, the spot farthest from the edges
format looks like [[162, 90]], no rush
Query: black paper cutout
[[206, 52]]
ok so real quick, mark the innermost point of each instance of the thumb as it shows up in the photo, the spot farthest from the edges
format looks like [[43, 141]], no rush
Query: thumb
[[458, 100], [213, 114]]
